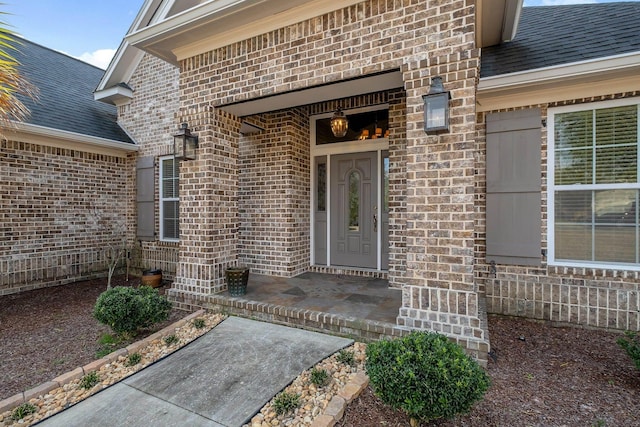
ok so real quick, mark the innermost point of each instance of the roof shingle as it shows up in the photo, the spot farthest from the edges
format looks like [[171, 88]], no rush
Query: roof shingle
[[65, 100], [555, 35]]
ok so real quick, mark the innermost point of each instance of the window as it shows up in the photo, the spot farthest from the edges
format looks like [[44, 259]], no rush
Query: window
[[594, 185], [169, 200]]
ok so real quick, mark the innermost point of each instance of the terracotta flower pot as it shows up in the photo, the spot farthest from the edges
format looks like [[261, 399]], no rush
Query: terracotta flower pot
[[152, 278]]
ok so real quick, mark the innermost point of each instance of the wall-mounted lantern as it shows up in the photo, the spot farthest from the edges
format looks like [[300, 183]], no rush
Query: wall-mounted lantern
[[184, 144], [339, 124], [436, 107]]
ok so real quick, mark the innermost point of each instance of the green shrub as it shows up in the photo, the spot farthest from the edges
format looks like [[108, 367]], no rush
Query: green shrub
[[89, 380], [426, 375], [133, 359], [285, 402], [199, 323], [346, 357], [319, 377], [127, 309], [630, 342], [23, 410], [171, 339]]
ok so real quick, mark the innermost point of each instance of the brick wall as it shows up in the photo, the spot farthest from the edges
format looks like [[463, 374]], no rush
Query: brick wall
[[273, 196], [584, 296], [59, 210], [422, 39], [209, 218], [150, 119]]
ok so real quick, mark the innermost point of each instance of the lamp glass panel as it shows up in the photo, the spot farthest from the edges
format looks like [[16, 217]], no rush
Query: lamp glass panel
[[178, 147], [190, 147], [436, 111]]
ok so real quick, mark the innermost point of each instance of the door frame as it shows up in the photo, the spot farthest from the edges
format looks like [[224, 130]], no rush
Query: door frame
[[379, 146]]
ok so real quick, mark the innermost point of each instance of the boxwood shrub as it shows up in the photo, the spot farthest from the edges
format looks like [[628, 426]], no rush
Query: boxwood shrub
[[127, 309], [425, 375], [630, 342]]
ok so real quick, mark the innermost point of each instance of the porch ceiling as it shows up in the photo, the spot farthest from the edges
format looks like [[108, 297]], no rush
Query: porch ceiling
[[326, 92]]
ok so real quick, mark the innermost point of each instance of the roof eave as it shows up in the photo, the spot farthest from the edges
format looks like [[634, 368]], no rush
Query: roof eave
[[127, 58], [497, 21], [218, 23], [116, 95], [596, 77], [49, 136]]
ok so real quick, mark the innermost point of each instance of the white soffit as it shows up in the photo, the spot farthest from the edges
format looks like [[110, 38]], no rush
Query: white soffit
[[602, 76], [115, 95], [497, 21], [221, 22], [327, 92]]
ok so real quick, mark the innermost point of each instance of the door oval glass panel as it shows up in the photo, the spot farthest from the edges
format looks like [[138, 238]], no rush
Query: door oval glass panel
[[354, 201]]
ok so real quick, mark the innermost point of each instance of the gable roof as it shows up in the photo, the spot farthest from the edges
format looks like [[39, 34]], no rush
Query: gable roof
[[165, 28], [555, 35], [65, 101]]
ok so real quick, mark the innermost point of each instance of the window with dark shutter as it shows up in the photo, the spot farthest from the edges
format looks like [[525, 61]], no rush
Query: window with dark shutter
[[513, 218], [145, 185]]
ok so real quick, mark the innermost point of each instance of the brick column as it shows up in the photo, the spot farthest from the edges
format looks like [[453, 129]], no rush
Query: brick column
[[439, 292], [208, 203]]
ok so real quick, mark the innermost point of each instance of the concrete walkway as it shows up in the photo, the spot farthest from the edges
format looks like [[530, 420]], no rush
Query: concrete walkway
[[221, 379]]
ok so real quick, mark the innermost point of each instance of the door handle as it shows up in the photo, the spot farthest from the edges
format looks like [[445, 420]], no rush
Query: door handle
[[375, 223]]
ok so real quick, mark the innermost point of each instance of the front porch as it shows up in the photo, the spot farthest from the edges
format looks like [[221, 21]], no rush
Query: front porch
[[354, 306]]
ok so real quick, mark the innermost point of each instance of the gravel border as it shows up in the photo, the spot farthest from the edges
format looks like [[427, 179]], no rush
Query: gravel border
[[321, 406]]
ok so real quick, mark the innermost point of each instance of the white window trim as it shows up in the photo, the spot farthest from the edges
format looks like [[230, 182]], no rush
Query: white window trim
[[162, 199], [551, 187]]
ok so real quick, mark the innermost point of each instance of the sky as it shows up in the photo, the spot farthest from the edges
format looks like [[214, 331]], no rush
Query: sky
[[91, 30]]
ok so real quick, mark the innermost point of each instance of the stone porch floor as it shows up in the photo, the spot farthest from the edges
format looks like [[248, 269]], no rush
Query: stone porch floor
[[353, 306]]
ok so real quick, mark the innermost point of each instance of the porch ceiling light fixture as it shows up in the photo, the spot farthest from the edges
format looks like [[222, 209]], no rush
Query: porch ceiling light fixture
[[436, 107], [184, 144], [339, 124]]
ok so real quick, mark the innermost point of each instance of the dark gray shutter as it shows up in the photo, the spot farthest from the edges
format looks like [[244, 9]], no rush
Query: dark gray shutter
[[145, 194], [514, 229]]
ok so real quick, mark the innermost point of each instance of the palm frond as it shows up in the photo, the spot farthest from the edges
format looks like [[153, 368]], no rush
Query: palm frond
[[12, 83]]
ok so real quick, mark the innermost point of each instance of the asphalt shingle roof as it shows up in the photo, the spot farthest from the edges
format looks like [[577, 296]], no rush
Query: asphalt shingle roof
[[66, 88], [554, 35]]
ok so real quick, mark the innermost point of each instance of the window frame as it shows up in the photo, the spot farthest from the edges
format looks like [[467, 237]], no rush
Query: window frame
[[552, 188], [162, 199]]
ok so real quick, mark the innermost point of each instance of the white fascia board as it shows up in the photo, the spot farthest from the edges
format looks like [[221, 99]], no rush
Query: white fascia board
[[74, 137], [184, 21], [122, 66], [223, 22], [513, 10], [559, 72], [127, 57]]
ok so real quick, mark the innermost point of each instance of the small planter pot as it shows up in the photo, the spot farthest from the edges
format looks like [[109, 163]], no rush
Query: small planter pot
[[152, 278], [237, 278]]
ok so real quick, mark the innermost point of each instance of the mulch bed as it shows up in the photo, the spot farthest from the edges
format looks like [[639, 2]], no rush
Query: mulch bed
[[47, 332], [541, 376]]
